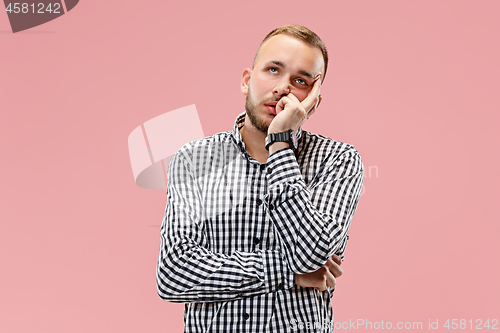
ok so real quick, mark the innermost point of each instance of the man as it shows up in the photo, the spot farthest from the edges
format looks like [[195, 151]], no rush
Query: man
[[257, 218]]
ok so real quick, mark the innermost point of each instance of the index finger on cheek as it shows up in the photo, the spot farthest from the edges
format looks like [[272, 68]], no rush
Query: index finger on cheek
[[314, 93], [312, 97], [317, 81]]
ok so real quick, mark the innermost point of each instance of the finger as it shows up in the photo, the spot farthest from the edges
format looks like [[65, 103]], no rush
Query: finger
[[322, 275], [330, 280], [322, 286], [337, 259], [313, 98], [291, 98], [334, 268], [280, 106], [294, 108], [294, 98], [313, 109]]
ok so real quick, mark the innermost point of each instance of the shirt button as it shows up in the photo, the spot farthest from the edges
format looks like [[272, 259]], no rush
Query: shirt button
[[271, 206], [280, 286], [256, 240], [259, 202], [262, 166], [246, 316]]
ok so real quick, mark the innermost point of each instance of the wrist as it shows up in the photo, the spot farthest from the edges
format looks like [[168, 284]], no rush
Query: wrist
[[286, 139], [275, 146]]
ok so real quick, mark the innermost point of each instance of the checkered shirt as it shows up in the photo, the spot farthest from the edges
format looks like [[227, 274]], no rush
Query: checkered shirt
[[235, 231]]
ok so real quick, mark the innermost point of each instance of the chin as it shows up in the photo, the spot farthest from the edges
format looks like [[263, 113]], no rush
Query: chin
[[260, 121]]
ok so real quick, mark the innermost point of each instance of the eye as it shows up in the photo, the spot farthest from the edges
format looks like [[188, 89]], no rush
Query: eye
[[273, 70], [301, 82]]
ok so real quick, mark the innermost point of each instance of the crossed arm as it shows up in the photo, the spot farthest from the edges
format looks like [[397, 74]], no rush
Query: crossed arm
[[188, 271], [312, 221]]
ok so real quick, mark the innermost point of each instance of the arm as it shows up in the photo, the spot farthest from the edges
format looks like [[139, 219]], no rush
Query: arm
[[312, 222], [187, 270]]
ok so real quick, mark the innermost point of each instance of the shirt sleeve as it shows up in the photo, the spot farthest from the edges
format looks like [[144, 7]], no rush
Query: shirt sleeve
[[187, 271], [312, 221]]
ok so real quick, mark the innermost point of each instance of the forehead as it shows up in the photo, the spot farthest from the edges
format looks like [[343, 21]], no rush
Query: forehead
[[292, 52]]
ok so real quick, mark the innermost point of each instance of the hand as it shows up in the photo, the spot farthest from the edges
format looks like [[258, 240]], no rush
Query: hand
[[323, 277], [291, 113]]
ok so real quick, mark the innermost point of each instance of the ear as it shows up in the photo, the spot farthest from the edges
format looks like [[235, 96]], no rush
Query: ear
[[245, 78]]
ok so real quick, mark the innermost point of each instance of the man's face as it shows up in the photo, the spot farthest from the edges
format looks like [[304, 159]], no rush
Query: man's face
[[283, 65]]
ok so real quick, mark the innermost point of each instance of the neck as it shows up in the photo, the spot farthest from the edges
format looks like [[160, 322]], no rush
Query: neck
[[255, 141]]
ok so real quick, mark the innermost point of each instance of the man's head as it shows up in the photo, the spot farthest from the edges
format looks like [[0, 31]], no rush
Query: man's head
[[288, 61]]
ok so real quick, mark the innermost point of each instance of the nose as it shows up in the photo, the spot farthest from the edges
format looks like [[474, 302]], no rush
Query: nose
[[282, 88]]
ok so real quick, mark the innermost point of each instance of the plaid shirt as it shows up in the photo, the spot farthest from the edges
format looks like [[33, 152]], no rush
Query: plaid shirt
[[235, 232]]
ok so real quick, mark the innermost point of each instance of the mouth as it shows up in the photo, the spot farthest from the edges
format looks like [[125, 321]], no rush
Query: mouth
[[271, 107]]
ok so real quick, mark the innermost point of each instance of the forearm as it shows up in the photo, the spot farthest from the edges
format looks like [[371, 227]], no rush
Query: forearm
[[312, 221], [187, 272]]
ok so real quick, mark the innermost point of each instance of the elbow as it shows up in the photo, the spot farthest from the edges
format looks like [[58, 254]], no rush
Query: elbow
[[170, 284], [166, 292], [164, 284], [165, 295]]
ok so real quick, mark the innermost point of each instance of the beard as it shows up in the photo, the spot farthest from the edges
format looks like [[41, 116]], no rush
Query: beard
[[258, 123]]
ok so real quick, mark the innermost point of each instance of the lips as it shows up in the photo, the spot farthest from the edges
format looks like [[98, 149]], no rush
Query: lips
[[271, 107]]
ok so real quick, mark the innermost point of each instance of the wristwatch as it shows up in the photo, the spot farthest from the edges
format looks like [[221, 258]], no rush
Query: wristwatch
[[287, 136]]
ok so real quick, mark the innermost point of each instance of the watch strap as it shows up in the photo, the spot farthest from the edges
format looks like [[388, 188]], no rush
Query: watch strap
[[286, 136]]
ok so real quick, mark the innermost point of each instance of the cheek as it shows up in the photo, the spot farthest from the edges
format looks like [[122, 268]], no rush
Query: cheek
[[301, 94], [259, 87]]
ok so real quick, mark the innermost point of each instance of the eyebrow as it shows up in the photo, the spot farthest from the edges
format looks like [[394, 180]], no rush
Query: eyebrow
[[301, 71]]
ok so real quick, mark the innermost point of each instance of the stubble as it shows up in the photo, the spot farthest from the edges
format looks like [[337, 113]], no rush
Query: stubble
[[257, 122]]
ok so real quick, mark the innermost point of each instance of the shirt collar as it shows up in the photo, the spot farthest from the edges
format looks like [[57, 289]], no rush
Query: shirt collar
[[240, 122]]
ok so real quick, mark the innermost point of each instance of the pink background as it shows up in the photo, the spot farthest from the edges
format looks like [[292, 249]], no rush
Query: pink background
[[412, 84]]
